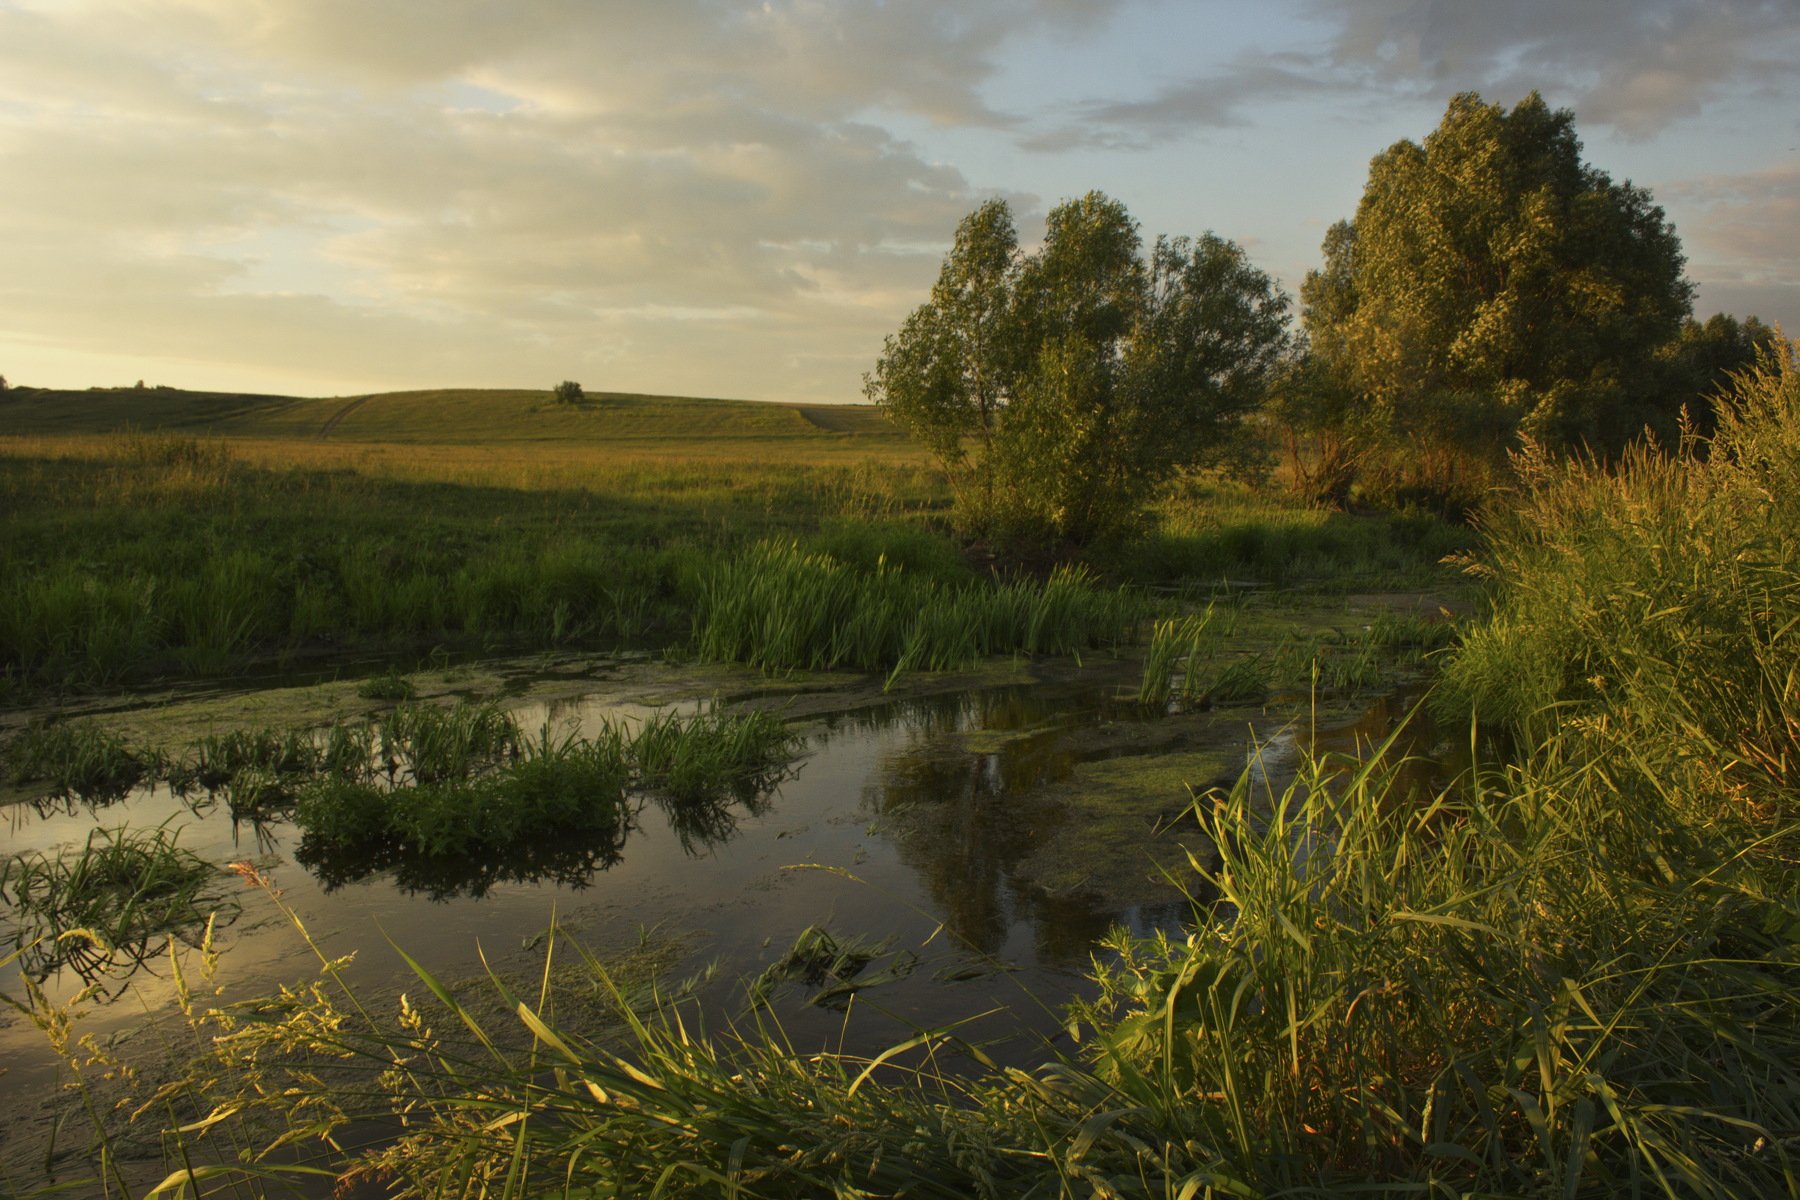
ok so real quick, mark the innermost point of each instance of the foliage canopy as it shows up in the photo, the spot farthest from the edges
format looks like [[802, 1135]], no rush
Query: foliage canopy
[[1059, 389], [1493, 284]]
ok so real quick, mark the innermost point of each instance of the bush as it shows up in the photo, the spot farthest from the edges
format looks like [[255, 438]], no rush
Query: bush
[[1661, 600]]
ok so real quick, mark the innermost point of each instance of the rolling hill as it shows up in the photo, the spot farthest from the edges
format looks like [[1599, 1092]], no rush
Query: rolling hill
[[440, 416]]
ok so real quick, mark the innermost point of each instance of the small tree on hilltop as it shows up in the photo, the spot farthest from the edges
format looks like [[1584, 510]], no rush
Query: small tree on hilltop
[[569, 392], [1060, 390]]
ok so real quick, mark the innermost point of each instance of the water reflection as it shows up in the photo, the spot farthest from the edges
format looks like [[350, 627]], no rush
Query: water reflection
[[955, 790], [702, 825], [569, 861], [961, 799]]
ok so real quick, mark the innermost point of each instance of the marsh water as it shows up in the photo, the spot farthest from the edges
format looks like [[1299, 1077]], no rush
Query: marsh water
[[982, 840]]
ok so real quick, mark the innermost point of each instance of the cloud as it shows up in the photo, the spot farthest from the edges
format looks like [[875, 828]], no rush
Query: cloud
[[1748, 218], [1739, 232], [1634, 65], [1217, 99], [691, 192]]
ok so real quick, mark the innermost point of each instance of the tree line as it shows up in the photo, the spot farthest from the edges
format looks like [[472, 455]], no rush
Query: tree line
[[1491, 289]]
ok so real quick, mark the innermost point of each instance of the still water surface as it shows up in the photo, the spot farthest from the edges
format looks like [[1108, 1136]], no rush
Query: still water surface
[[836, 844]]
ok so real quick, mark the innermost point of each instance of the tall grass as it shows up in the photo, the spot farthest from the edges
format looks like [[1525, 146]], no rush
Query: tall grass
[[1547, 982], [1515, 989], [1211, 530], [778, 607], [1659, 602], [135, 556]]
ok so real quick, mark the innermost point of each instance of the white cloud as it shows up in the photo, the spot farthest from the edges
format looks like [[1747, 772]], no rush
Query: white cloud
[[627, 170]]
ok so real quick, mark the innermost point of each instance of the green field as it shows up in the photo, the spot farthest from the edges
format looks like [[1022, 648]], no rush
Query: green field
[[158, 534]]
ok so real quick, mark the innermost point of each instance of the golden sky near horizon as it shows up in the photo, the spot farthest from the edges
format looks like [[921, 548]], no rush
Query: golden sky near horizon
[[741, 199]]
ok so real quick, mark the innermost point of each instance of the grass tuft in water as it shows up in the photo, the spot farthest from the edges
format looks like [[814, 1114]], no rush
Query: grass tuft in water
[[708, 755], [76, 758], [833, 969], [392, 687], [1179, 647], [118, 897], [433, 744]]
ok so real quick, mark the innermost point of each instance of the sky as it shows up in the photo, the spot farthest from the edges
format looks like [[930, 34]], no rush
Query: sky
[[741, 199]]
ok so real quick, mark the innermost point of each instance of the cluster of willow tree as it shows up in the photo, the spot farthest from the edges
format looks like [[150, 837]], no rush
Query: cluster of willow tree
[[1491, 288]]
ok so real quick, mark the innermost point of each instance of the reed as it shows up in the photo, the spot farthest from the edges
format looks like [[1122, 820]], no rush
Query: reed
[[709, 756], [1179, 650], [777, 607], [119, 897], [77, 759], [1661, 598], [428, 743], [457, 797]]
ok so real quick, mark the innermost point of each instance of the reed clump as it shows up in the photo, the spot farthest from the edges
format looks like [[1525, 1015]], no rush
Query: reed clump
[[1658, 602], [457, 796], [78, 759], [777, 607], [710, 754], [429, 743], [549, 789], [1180, 650], [121, 894]]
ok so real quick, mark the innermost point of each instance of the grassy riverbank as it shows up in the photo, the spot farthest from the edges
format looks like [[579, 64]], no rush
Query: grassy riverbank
[[1568, 973]]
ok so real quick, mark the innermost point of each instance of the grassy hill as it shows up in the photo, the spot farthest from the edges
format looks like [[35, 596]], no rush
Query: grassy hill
[[440, 416]]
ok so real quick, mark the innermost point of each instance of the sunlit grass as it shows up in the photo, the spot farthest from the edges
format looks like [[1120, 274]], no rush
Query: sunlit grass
[[777, 607]]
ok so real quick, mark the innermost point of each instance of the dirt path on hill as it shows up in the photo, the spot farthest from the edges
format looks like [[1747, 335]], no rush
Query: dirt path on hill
[[830, 419], [340, 414]]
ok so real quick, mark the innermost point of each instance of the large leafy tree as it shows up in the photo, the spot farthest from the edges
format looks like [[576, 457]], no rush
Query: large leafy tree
[[1492, 284], [1059, 389]]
